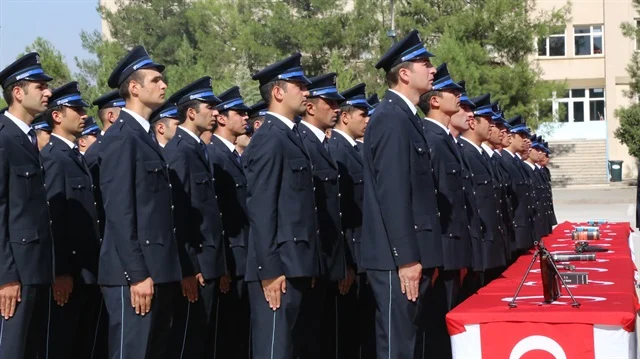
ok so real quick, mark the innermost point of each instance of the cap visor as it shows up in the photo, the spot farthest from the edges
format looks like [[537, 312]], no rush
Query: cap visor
[[333, 96], [153, 65], [38, 77], [301, 79], [240, 107], [210, 99], [468, 103], [76, 103]]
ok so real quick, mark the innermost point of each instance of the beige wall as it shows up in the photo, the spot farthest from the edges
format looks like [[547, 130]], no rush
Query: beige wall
[[607, 70]]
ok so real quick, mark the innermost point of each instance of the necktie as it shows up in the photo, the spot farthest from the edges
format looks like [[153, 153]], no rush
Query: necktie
[[33, 138], [238, 159], [486, 156], [79, 156], [203, 147], [325, 143], [152, 135]]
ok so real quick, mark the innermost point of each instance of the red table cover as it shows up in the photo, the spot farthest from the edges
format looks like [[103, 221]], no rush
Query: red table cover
[[609, 298]]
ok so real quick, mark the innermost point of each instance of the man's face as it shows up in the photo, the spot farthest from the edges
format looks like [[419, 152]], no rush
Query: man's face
[[357, 122], [295, 97], [326, 112], [421, 75], [506, 137], [460, 120], [484, 127], [534, 154], [521, 144], [495, 135], [450, 102], [236, 122], [152, 90], [170, 128], [35, 97], [205, 118], [71, 119]]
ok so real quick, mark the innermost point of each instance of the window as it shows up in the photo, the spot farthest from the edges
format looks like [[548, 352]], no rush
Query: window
[[588, 40], [554, 45], [580, 105]]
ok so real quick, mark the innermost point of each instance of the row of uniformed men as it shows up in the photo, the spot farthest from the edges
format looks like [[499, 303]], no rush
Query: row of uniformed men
[[292, 205]]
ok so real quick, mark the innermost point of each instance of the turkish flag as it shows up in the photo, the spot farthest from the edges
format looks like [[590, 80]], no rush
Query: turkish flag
[[536, 341]]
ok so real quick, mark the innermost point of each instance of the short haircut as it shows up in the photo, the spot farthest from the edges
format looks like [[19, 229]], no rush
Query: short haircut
[[183, 108], [164, 121], [425, 100], [7, 93], [124, 87], [393, 76], [48, 114], [265, 90]]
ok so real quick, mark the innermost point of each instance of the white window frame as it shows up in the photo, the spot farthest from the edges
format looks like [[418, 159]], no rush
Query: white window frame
[[586, 100], [591, 35], [546, 39]]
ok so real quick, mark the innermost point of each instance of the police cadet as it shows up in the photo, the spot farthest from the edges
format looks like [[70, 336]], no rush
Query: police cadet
[[401, 246], [76, 301], [282, 256], [109, 107], [541, 220], [164, 122], [43, 131], [498, 138], [547, 174], [460, 121], [139, 267], [256, 114], [357, 306], [449, 171], [338, 268], [232, 338], [487, 193], [518, 187], [88, 136], [197, 220], [163, 127], [26, 247]]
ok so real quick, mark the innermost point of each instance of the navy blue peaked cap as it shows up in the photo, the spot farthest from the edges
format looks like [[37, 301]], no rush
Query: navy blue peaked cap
[[26, 68], [258, 109], [232, 100], [356, 97], [167, 110], [67, 95], [407, 49], [199, 89], [136, 59], [288, 69], [325, 86], [110, 99]]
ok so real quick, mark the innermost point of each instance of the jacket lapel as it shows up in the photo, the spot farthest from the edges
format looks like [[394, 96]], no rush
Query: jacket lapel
[[306, 132], [344, 142], [222, 147], [289, 132], [445, 137], [20, 136], [413, 118], [64, 147], [195, 144], [134, 124]]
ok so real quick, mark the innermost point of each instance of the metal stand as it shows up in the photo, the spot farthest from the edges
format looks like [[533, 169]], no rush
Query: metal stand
[[540, 248]]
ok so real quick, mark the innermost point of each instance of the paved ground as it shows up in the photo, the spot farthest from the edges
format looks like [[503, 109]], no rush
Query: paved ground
[[613, 203]]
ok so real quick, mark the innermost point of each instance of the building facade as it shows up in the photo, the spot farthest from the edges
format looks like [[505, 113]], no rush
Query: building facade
[[590, 56]]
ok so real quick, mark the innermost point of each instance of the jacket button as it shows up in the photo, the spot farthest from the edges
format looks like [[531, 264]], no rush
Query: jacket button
[[295, 239], [415, 227], [73, 252], [200, 245], [23, 240], [259, 268], [147, 242]]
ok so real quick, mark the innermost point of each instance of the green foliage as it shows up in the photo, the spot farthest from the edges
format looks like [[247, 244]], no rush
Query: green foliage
[[629, 131], [488, 43]]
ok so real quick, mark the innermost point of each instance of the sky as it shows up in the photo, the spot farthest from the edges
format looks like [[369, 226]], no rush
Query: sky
[[59, 21]]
